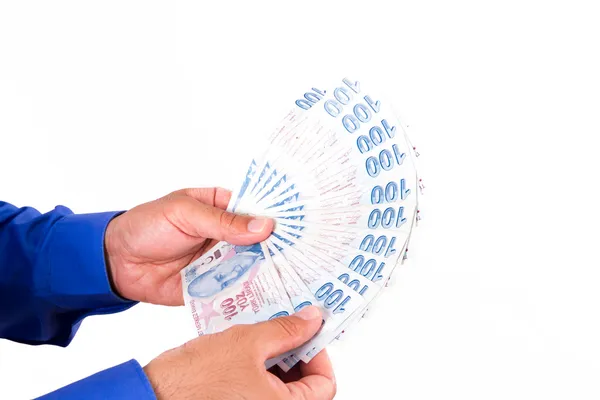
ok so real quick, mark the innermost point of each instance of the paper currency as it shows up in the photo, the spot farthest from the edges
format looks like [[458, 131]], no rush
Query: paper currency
[[338, 175], [234, 285]]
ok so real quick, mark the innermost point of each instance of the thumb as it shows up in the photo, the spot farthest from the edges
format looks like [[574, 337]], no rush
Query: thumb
[[204, 220], [280, 335]]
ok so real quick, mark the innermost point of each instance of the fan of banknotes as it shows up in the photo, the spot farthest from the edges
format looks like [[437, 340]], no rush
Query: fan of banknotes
[[338, 176]]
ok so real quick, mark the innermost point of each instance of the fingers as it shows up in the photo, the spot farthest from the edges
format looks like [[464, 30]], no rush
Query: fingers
[[222, 197], [318, 382], [282, 334], [199, 219], [319, 365], [239, 229], [313, 387], [215, 196]]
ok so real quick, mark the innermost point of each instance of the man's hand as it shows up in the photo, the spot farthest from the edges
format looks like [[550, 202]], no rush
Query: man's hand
[[230, 365], [147, 246]]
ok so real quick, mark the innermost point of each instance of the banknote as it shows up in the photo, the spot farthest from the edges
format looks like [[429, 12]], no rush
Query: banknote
[[240, 286], [321, 342], [336, 300], [375, 150], [338, 176]]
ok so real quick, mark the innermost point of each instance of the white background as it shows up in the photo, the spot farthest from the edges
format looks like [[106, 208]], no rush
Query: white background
[[104, 105]]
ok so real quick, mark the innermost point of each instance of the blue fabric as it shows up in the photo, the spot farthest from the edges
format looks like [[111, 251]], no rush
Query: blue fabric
[[125, 381], [52, 275]]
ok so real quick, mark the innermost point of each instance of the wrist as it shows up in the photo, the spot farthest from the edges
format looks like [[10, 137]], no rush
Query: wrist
[[153, 374], [110, 256]]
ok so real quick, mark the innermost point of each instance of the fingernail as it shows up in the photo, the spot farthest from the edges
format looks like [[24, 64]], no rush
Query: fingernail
[[257, 225], [308, 313]]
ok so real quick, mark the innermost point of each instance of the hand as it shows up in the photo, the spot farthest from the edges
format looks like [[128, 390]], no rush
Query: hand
[[147, 246], [230, 365]]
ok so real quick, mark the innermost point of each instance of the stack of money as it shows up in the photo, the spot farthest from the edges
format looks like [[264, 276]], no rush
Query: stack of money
[[338, 176]]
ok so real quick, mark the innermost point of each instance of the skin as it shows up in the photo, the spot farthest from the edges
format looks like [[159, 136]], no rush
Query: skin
[[147, 247], [230, 365]]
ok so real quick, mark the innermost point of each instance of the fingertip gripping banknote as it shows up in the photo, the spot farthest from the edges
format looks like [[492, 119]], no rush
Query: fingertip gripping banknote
[[338, 175]]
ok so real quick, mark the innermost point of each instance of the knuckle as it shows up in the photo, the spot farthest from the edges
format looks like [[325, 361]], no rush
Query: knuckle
[[188, 347], [235, 335], [226, 219], [238, 343], [201, 193], [191, 347], [287, 326], [175, 194], [191, 192]]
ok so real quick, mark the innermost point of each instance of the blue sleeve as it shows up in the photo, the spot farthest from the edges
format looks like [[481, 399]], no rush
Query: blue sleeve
[[125, 381], [52, 273]]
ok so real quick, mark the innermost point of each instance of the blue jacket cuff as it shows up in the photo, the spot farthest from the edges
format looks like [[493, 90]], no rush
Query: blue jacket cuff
[[124, 381], [78, 276]]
